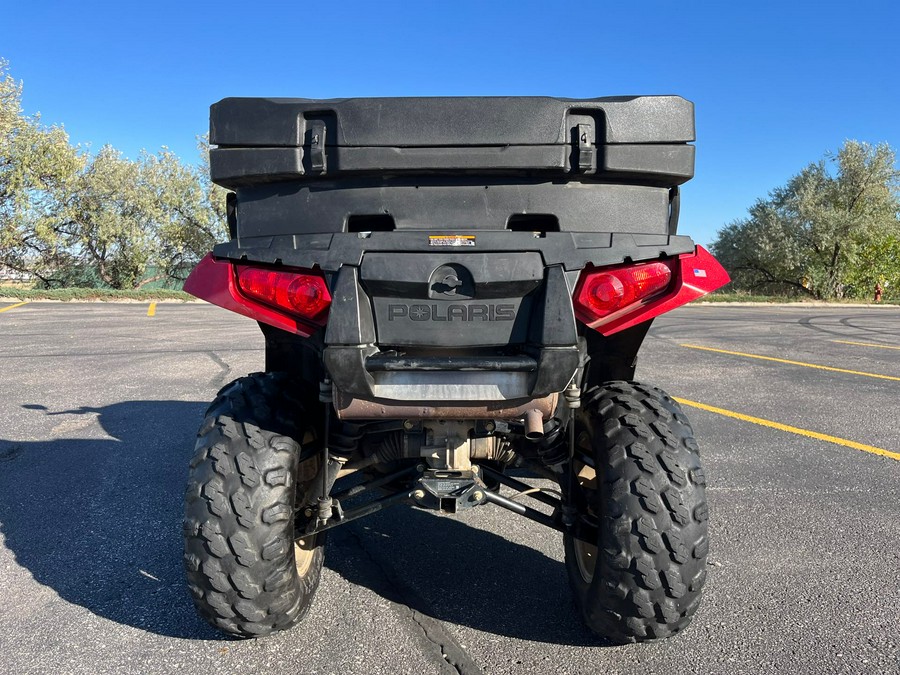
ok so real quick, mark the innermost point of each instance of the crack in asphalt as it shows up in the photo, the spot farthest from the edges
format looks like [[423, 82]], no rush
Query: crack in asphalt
[[453, 655], [454, 658], [219, 378]]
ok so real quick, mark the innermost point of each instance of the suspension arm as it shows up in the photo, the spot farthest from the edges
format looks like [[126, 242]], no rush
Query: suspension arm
[[356, 514], [520, 486]]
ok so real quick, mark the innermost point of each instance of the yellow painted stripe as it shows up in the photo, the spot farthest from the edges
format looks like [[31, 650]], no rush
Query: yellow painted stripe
[[864, 344], [793, 430], [151, 310], [6, 309], [793, 363]]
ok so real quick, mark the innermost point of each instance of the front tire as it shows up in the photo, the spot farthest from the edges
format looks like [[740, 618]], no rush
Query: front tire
[[640, 576], [246, 573]]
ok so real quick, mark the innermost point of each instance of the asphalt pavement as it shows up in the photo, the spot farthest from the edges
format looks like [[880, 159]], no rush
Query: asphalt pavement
[[795, 409]]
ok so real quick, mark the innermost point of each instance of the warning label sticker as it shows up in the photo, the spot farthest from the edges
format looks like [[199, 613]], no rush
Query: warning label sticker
[[451, 240]]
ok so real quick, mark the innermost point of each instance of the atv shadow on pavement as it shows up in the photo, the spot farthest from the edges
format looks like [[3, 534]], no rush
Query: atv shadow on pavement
[[459, 574], [98, 520]]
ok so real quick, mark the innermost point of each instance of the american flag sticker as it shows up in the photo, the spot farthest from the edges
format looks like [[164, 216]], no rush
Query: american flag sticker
[[700, 273]]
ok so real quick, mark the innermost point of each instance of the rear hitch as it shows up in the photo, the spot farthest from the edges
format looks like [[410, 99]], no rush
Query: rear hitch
[[449, 491]]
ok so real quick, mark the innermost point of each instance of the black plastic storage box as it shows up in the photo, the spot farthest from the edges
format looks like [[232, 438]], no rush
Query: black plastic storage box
[[532, 164]]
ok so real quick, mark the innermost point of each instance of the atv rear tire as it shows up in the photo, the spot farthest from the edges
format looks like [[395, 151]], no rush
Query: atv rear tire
[[647, 501], [247, 575]]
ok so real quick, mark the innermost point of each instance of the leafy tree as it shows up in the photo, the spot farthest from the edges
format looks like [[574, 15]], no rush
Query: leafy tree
[[192, 217], [69, 217], [883, 267], [819, 233], [126, 217], [109, 218], [37, 165]]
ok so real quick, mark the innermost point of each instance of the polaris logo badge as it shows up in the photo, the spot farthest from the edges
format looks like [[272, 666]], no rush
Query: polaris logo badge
[[442, 312]]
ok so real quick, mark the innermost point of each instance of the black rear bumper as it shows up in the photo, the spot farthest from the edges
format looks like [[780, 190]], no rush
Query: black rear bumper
[[504, 330]]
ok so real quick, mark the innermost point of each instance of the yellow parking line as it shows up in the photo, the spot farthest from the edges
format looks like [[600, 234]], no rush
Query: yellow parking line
[[793, 363], [864, 344], [794, 430], [151, 310], [6, 309]]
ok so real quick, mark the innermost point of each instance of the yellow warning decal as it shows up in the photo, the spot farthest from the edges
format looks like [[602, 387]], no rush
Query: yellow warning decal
[[451, 240]]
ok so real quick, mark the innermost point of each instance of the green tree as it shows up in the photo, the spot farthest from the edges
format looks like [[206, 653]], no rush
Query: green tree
[[37, 166], [820, 231], [192, 212], [124, 218], [883, 268], [72, 218], [109, 219]]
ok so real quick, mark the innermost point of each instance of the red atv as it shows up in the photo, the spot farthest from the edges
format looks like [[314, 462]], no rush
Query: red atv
[[450, 289]]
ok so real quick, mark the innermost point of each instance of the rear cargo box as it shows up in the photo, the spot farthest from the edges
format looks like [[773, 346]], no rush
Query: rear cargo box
[[301, 166]]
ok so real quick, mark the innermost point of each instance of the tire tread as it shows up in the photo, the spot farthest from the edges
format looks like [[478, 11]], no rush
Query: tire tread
[[651, 561], [239, 506]]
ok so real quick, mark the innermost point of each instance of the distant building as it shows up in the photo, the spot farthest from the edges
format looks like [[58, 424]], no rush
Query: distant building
[[9, 275]]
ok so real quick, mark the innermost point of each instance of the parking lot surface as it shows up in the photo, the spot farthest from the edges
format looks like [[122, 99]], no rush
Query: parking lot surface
[[795, 409]]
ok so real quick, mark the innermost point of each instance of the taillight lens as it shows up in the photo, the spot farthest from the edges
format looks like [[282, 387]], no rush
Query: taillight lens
[[604, 292], [305, 295]]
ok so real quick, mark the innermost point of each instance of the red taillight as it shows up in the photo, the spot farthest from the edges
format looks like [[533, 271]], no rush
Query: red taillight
[[611, 299], [304, 295], [604, 292]]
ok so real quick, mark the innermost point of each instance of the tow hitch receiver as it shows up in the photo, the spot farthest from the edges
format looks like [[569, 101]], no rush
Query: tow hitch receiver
[[449, 491]]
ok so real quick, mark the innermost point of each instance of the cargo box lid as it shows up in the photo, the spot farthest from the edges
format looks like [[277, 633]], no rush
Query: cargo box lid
[[281, 139], [449, 121]]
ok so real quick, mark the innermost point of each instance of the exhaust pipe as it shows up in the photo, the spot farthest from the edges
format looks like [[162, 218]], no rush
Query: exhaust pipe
[[534, 425]]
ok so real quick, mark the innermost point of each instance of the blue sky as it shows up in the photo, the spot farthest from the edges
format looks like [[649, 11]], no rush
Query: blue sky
[[776, 84]]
